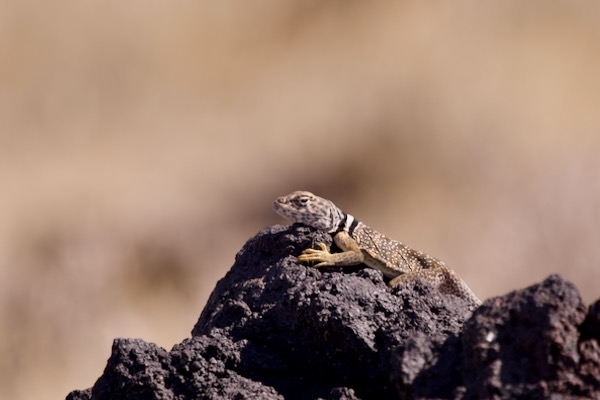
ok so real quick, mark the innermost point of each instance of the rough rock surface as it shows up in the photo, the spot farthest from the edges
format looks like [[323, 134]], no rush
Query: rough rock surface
[[274, 329]]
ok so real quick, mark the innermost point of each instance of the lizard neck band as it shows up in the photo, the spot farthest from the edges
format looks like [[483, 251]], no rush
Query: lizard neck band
[[347, 224]]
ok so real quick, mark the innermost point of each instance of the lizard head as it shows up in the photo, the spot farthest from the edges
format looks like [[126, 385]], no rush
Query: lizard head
[[308, 209]]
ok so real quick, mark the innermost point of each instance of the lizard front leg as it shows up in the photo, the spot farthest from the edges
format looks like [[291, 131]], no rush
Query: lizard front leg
[[351, 254]]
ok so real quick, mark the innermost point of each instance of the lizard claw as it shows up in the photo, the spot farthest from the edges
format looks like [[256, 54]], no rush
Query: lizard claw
[[323, 256]]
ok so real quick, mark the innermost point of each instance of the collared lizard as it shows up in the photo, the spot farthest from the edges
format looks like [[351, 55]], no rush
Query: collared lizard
[[361, 244]]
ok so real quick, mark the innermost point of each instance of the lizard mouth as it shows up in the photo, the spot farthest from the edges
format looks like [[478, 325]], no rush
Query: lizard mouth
[[280, 207]]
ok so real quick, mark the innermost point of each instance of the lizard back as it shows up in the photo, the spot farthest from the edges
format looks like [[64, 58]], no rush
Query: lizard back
[[392, 257]]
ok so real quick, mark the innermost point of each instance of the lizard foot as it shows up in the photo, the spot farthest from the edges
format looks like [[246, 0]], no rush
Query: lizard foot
[[323, 256]]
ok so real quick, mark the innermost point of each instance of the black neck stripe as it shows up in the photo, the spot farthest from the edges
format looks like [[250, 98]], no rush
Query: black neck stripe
[[353, 226], [344, 226]]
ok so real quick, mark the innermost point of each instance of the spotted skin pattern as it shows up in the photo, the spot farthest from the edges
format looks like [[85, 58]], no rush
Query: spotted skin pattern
[[362, 244]]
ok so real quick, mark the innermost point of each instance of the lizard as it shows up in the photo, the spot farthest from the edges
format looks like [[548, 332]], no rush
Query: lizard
[[362, 244]]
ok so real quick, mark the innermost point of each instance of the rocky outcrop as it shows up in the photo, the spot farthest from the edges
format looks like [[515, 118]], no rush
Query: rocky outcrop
[[275, 329]]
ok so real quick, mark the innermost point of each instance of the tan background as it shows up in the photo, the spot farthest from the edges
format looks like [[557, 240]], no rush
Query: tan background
[[142, 142]]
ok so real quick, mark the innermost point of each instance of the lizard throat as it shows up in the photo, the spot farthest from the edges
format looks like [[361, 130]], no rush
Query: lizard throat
[[347, 224]]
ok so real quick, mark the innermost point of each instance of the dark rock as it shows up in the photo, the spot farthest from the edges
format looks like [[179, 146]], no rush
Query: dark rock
[[275, 329], [590, 329], [308, 329], [80, 394], [525, 344]]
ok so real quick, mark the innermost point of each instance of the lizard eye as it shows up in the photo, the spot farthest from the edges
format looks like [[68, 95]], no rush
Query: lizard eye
[[303, 200]]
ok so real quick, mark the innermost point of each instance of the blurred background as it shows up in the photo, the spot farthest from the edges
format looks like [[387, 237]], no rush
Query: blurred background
[[142, 143]]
